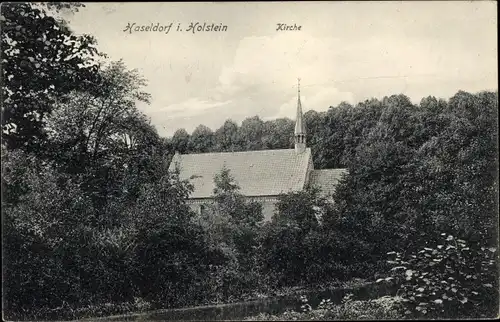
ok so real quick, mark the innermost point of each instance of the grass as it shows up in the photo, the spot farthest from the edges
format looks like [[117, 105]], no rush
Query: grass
[[384, 308]]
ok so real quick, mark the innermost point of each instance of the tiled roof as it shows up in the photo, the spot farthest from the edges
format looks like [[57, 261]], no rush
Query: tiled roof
[[258, 173], [326, 179]]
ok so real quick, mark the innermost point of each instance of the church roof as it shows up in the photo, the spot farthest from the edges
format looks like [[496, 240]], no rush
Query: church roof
[[257, 173], [326, 179]]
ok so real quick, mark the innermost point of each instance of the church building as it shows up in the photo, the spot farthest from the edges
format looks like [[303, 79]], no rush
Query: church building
[[261, 175]]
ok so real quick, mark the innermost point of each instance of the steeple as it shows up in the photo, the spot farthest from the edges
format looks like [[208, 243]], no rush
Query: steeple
[[300, 127]]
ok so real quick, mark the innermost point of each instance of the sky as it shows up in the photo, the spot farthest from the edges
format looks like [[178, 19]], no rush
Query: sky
[[344, 51]]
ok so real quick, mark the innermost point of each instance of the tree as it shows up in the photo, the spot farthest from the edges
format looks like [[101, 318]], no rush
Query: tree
[[227, 137], [43, 61], [88, 128], [278, 134], [314, 123], [105, 140], [458, 166], [327, 137], [234, 224], [201, 140], [296, 246], [415, 171], [251, 133], [180, 141]]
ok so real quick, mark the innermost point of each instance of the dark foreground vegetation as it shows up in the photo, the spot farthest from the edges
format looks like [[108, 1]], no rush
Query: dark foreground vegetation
[[93, 223]]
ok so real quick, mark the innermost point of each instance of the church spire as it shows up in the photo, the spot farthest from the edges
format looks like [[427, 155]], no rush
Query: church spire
[[300, 127]]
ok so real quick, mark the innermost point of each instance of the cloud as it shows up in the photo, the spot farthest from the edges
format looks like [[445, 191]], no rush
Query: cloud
[[265, 71], [320, 101], [278, 60], [190, 107]]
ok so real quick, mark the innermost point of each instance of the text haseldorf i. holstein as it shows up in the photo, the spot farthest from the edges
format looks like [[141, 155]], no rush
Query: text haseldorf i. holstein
[[166, 28]]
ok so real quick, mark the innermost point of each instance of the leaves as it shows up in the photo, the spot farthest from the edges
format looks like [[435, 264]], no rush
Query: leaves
[[453, 284], [36, 80]]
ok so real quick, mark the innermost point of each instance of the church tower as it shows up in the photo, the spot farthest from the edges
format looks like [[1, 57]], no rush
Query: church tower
[[300, 127]]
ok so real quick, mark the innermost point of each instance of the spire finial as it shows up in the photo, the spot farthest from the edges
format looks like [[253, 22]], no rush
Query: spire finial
[[298, 84]]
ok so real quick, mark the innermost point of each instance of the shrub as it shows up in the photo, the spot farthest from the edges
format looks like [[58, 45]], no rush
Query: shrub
[[451, 279], [299, 249]]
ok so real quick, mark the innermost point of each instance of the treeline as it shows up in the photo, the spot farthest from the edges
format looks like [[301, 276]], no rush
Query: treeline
[[94, 224], [253, 134]]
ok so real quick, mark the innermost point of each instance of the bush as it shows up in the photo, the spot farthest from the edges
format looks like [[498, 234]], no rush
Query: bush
[[302, 247], [43, 237], [452, 279]]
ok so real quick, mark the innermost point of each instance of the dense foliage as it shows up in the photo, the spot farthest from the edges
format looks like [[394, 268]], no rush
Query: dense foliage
[[92, 219], [451, 277], [42, 61], [300, 246]]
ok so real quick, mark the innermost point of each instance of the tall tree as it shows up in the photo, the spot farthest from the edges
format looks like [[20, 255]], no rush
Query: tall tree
[[43, 60], [251, 133], [87, 128], [180, 141], [227, 137], [278, 134], [459, 167], [202, 139]]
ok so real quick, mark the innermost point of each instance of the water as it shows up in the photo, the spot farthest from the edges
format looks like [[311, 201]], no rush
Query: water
[[274, 305]]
